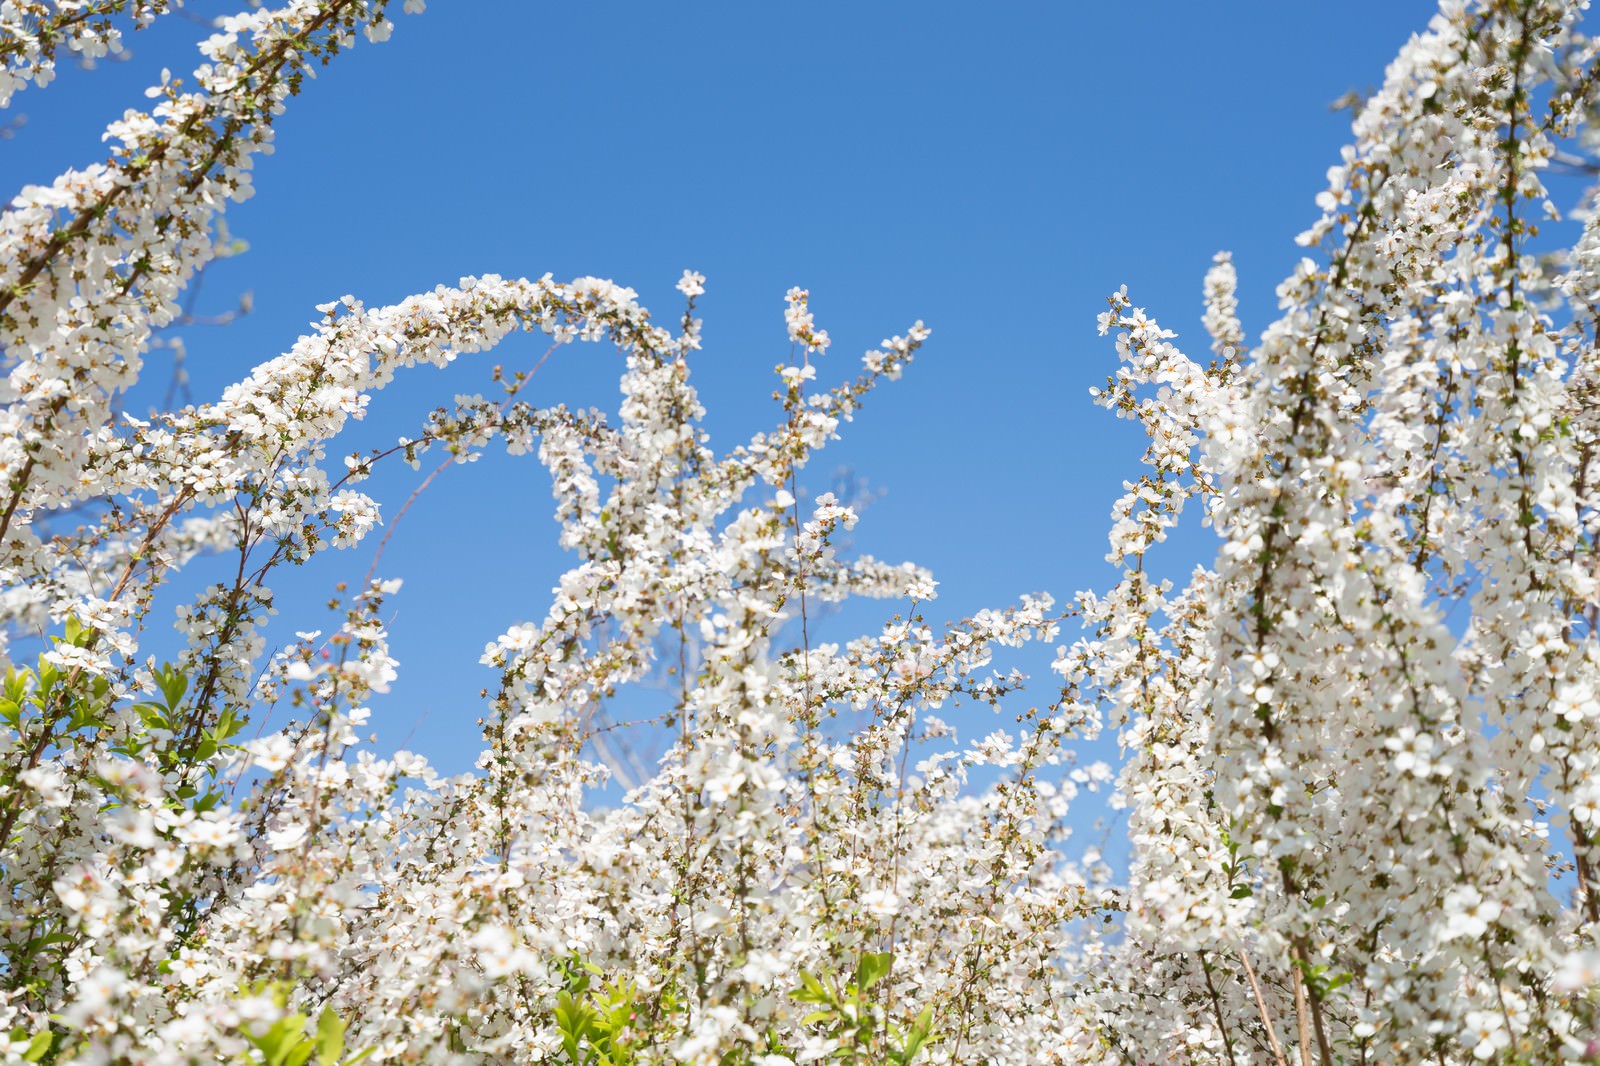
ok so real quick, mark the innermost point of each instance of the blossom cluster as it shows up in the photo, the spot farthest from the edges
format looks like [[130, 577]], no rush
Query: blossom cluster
[[1362, 747]]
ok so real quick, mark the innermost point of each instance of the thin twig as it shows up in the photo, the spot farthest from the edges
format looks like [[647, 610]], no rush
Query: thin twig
[[1261, 1005]]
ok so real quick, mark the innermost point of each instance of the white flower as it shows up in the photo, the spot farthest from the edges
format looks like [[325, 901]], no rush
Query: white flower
[[1467, 913], [761, 968], [724, 786], [288, 837], [692, 284], [49, 782], [1486, 1033], [271, 753], [208, 832], [880, 902], [92, 997], [497, 953]]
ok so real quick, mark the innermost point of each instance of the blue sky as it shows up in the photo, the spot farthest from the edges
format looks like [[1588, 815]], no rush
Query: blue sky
[[995, 173]]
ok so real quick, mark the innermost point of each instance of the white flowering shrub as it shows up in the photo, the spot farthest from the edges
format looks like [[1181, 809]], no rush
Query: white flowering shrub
[[1362, 763]]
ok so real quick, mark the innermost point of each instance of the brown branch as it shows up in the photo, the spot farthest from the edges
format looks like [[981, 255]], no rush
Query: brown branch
[[1261, 1006]]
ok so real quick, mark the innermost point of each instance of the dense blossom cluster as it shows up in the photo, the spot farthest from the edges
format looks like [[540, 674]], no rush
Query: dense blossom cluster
[[1362, 768]]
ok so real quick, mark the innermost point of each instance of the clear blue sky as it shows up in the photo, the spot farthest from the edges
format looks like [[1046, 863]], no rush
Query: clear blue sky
[[995, 172]]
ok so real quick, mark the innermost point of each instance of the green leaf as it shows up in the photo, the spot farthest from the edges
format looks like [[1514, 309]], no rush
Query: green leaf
[[48, 676], [16, 686], [153, 715], [330, 1038], [278, 1043], [811, 990], [84, 717], [920, 1033], [872, 968], [172, 684], [228, 725], [39, 1046], [1241, 892]]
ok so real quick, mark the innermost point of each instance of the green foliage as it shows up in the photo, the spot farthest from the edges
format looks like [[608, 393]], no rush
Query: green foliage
[[44, 700], [598, 1018], [1320, 980], [595, 1022], [858, 1025], [294, 1041], [39, 1044], [197, 743], [49, 708]]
